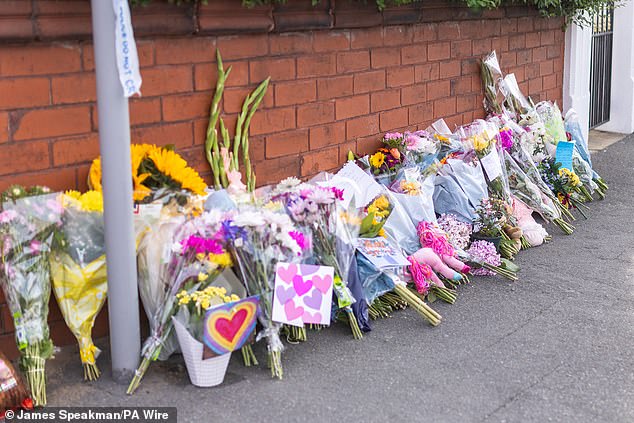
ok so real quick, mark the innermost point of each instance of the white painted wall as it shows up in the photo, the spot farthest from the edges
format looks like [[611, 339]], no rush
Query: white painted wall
[[622, 92], [576, 88]]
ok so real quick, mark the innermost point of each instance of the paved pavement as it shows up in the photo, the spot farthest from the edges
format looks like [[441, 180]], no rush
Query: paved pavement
[[555, 346]]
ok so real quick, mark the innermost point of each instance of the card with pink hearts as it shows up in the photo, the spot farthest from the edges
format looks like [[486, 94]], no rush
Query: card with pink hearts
[[303, 294]]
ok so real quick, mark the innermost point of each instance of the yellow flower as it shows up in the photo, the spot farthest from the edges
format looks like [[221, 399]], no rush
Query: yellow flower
[[91, 201], [377, 159], [382, 202], [372, 208], [184, 300], [171, 164], [441, 138], [222, 260], [479, 143], [382, 232], [202, 276]]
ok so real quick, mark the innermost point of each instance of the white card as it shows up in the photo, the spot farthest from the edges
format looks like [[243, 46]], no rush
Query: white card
[[491, 164], [381, 253]]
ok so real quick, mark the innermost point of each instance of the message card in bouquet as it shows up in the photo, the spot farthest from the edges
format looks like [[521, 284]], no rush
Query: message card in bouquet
[[491, 164], [563, 154], [381, 253], [303, 294], [229, 326], [356, 184]]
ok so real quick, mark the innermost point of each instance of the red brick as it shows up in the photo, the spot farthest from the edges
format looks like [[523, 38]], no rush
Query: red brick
[[439, 51], [509, 25], [450, 69], [206, 74], [337, 86], [323, 136], [4, 127], [145, 50], [438, 89], [517, 42], [533, 39], [416, 53], [344, 149], [178, 134], [546, 67], [385, 100], [144, 110], [524, 57], [167, 80], [233, 99], [397, 35], [500, 44], [525, 24], [315, 113], [534, 86], [553, 51], [277, 69], [461, 49], [540, 54], [420, 113], [77, 88], [508, 59], [427, 72], [481, 47], [448, 31], [413, 94], [36, 59], [289, 43], [362, 126], [460, 86], [470, 66], [316, 65], [320, 160], [385, 57], [425, 32], [465, 103], [243, 46], [400, 76], [369, 81], [549, 82], [75, 150], [393, 119], [353, 61], [274, 170], [185, 107], [295, 92], [171, 51], [444, 107], [47, 123], [24, 92], [352, 106], [273, 120], [287, 143], [58, 179], [366, 37], [547, 38], [368, 145], [324, 41], [15, 158]]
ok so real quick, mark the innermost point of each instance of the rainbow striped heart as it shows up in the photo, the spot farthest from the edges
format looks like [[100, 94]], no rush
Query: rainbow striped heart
[[228, 326]]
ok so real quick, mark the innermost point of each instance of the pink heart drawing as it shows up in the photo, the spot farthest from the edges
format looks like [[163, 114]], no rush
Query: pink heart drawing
[[314, 300], [293, 312], [322, 284], [308, 269], [301, 286], [284, 295], [287, 274], [311, 318]]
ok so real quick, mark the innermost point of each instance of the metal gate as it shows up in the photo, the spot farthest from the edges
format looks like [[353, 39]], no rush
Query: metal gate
[[601, 66]]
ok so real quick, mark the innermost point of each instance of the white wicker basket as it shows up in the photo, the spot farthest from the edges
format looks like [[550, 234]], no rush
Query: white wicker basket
[[204, 373]]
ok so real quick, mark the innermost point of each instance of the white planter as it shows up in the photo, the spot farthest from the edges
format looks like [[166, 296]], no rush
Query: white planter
[[204, 373]]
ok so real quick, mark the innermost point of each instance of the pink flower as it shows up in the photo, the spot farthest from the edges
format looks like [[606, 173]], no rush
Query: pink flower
[[36, 246], [300, 239], [7, 216], [393, 136]]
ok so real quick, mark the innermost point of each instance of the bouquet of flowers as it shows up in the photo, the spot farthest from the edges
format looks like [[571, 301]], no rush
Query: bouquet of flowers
[[385, 163], [494, 224], [78, 271], [157, 173], [28, 222], [378, 212], [419, 148], [258, 239], [564, 183], [484, 252], [191, 258], [317, 210], [457, 231]]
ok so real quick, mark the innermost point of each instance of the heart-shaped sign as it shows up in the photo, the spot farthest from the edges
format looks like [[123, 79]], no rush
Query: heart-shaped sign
[[293, 312], [283, 294], [311, 318], [302, 285], [323, 284], [228, 326], [287, 274], [314, 300], [308, 269]]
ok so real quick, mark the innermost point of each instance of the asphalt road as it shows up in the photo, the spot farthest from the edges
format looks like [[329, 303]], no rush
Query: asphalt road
[[555, 346]]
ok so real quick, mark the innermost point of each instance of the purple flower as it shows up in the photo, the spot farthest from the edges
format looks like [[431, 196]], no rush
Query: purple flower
[[506, 139], [338, 193], [8, 215], [300, 239], [393, 136], [484, 251]]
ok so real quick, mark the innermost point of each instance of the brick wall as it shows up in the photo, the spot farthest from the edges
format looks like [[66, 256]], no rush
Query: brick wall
[[331, 91]]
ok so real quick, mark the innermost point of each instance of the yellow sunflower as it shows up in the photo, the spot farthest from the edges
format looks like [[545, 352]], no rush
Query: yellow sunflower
[[174, 166], [377, 160]]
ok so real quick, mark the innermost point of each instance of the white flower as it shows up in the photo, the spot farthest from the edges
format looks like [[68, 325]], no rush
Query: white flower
[[322, 196], [249, 218]]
